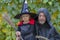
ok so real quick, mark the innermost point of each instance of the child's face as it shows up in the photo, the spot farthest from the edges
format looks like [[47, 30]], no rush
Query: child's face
[[25, 17]]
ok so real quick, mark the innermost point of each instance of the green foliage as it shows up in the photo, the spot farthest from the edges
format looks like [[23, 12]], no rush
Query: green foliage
[[13, 7]]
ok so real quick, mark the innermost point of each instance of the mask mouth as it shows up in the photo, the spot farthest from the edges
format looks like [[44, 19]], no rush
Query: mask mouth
[[41, 22]]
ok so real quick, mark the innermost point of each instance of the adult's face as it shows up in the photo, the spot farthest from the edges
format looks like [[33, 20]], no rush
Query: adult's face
[[41, 18]]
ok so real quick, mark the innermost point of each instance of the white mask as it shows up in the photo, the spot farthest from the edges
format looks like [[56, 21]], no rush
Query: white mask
[[41, 22]]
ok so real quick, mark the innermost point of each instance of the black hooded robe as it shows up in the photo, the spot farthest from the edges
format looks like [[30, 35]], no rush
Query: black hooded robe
[[46, 30]]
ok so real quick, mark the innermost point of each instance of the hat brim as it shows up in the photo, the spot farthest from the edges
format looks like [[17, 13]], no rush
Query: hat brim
[[19, 15]]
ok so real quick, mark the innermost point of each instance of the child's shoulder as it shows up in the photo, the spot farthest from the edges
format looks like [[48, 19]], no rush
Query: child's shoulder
[[32, 21], [19, 23]]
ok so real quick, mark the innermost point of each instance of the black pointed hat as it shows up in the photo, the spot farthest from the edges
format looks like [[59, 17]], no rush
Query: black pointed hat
[[25, 11]]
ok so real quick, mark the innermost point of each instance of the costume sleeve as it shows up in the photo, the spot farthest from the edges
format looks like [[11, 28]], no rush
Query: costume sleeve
[[54, 35], [19, 29]]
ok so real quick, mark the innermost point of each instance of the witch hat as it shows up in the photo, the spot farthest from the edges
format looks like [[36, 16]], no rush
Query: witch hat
[[25, 11]]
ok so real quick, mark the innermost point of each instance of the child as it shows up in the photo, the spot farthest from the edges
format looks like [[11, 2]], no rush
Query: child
[[26, 25]]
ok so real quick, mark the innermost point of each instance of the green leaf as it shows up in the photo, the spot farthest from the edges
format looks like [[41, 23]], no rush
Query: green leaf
[[45, 1], [59, 16], [50, 3]]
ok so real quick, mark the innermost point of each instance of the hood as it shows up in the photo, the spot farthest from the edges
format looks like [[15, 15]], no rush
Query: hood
[[46, 12]]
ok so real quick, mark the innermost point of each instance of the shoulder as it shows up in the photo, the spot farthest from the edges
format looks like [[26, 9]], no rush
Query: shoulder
[[53, 30], [19, 23], [32, 21]]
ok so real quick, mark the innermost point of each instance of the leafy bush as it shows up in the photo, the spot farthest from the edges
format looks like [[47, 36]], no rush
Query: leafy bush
[[13, 7]]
